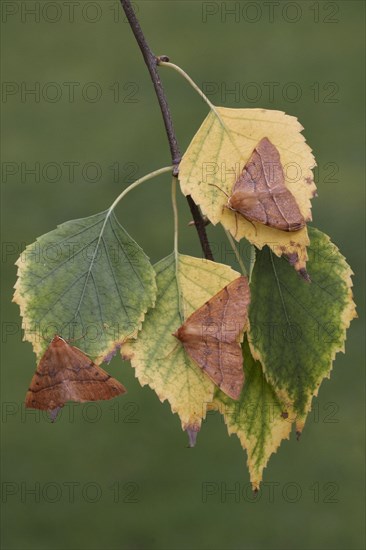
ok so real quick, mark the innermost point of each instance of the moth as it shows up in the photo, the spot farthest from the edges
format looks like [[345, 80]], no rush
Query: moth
[[211, 336], [65, 373], [260, 194]]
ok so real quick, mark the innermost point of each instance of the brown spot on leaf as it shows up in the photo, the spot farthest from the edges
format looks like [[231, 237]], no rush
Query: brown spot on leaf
[[192, 433], [293, 258], [304, 275]]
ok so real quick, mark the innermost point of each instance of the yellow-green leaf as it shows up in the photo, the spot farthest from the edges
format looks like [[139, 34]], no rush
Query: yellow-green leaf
[[217, 155], [184, 285], [258, 418]]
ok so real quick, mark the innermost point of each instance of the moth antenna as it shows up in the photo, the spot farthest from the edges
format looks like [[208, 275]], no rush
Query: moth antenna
[[75, 340], [67, 340], [255, 229], [47, 339], [168, 355], [219, 188]]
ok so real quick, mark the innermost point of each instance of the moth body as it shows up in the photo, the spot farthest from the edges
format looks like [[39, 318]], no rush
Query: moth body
[[211, 336], [65, 373], [260, 194]]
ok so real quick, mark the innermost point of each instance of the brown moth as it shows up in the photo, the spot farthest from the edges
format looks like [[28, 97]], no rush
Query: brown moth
[[65, 373], [211, 336], [260, 195]]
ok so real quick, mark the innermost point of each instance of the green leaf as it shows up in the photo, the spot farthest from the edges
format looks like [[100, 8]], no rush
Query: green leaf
[[88, 280], [184, 285], [216, 157], [298, 327], [258, 418]]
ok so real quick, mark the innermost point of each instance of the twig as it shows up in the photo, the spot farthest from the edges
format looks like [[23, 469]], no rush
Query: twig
[[151, 62]]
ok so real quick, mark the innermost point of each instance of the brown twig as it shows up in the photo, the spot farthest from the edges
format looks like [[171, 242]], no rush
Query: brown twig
[[152, 62]]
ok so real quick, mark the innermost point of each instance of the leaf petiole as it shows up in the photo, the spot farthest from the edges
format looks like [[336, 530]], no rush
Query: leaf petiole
[[176, 252], [236, 252], [175, 212], [253, 256], [204, 97], [194, 86], [109, 212], [149, 176]]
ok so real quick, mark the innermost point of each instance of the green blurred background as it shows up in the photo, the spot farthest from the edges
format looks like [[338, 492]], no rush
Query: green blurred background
[[136, 444]]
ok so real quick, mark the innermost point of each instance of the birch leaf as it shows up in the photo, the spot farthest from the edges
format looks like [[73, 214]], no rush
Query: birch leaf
[[160, 361], [216, 157], [258, 419], [86, 280], [296, 329]]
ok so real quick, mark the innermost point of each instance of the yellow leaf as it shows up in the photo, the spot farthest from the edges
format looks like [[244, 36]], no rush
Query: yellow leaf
[[217, 155], [158, 358]]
